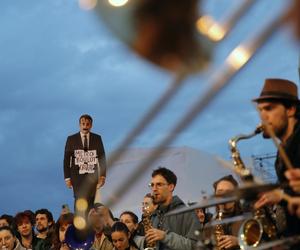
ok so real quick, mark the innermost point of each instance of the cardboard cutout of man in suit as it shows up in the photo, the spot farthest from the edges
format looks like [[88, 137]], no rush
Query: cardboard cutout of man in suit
[[84, 162]]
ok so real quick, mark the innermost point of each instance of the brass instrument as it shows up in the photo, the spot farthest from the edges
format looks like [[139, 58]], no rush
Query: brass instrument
[[219, 229], [148, 27], [235, 154], [252, 230], [147, 225]]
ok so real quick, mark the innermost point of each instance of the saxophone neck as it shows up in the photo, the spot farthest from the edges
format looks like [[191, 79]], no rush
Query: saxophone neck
[[235, 154], [233, 141]]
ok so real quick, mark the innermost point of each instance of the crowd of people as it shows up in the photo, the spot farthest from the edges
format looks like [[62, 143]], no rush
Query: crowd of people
[[279, 209], [38, 230]]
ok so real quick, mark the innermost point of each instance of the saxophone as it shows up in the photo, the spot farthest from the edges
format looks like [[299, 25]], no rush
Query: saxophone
[[219, 229], [147, 225], [251, 231], [235, 154]]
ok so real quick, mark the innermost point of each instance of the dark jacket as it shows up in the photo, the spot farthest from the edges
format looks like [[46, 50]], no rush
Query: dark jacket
[[180, 228], [38, 244], [292, 148], [71, 170]]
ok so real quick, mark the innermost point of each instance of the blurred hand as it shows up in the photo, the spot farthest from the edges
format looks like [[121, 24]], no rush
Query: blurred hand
[[68, 183], [101, 182], [294, 206], [269, 198], [293, 175], [227, 241], [154, 235]]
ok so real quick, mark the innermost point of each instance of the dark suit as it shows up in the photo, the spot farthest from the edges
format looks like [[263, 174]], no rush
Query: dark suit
[[84, 183]]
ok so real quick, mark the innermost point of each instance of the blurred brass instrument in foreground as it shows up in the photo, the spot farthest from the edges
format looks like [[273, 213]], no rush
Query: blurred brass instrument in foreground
[[163, 32]]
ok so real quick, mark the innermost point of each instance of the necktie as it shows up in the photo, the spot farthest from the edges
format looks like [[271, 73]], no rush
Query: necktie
[[85, 143]]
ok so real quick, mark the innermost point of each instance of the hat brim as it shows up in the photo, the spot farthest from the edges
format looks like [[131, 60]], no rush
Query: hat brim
[[272, 97]]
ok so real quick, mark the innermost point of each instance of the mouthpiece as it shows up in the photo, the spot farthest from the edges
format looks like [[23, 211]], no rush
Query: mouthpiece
[[259, 129]]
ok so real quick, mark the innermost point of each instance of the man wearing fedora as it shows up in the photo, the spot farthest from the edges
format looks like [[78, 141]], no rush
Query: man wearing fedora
[[278, 106]]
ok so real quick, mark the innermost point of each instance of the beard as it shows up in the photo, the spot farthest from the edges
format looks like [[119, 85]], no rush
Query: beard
[[227, 207], [157, 199], [42, 230], [279, 131]]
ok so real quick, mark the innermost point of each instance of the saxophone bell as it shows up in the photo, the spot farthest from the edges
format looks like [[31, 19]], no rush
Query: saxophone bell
[[255, 230]]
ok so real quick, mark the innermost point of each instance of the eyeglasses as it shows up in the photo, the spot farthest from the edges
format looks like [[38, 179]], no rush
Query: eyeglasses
[[157, 185]]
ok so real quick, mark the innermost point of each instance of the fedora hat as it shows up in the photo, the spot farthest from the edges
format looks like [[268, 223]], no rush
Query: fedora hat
[[278, 89]]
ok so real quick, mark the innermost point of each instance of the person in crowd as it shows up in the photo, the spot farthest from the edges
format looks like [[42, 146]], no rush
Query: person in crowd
[[200, 212], [99, 222], [278, 106], [148, 204], [8, 239], [6, 220], [130, 219], [173, 231], [44, 224], [25, 224], [61, 226], [148, 208], [203, 215], [121, 237], [84, 162], [226, 235], [65, 209], [108, 218]]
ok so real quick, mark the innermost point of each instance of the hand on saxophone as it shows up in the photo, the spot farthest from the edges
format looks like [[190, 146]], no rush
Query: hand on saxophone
[[154, 235], [269, 198], [293, 176], [227, 241]]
